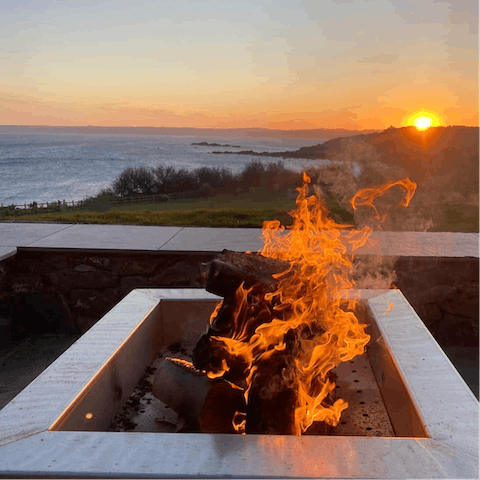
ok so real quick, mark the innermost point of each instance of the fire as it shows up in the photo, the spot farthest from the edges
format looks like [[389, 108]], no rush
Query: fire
[[368, 195], [312, 314]]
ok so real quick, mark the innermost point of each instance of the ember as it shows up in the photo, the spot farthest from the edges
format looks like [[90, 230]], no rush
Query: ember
[[284, 324]]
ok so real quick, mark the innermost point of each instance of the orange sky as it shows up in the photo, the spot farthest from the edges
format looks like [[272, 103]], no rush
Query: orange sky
[[232, 64]]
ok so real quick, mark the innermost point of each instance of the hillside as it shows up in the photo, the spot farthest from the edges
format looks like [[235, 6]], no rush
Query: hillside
[[450, 154]]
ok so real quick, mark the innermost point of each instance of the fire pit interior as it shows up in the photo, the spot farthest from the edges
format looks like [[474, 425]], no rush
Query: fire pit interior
[[126, 380], [355, 383]]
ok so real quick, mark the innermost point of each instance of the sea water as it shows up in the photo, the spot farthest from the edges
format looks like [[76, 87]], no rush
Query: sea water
[[47, 167]]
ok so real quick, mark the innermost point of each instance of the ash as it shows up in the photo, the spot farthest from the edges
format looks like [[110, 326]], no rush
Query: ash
[[143, 412], [365, 416]]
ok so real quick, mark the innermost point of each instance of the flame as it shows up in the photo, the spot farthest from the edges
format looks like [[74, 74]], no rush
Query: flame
[[223, 368], [310, 311], [366, 196]]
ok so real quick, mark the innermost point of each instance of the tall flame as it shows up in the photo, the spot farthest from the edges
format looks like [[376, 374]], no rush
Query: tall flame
[[314, 293], [311, 306]]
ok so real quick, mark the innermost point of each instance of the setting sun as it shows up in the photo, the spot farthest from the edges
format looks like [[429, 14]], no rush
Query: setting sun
[[422, 123], [423, 119]]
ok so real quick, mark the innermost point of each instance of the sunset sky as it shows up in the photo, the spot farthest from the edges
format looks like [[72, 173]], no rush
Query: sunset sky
[[285, 64]]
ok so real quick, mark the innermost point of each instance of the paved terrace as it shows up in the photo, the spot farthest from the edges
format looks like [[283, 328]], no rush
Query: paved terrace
[[198, 239]]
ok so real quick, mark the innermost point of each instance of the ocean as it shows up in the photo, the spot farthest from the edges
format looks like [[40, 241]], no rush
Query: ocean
[[45, 167]]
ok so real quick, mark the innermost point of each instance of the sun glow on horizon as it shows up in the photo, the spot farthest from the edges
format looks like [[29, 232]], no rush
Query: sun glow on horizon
[[423, 120], [422, 123]]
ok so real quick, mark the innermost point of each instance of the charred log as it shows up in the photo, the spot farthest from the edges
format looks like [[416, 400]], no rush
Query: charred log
[[207, 405], [224, 278], [211, 355], [271, 399], [255, 262], [237, 321], [273, 389], [230, 269]]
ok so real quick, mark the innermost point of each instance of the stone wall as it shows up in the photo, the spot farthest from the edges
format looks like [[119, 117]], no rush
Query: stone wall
[[68, 291], [444, 292]]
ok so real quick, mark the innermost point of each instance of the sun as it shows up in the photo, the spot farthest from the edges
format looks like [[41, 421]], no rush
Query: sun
[[423, 119], [422, 122]]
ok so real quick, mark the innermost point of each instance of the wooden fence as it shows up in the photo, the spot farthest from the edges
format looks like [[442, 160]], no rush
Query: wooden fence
[[94, 203]]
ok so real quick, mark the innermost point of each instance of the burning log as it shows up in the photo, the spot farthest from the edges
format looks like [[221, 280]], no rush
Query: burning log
[[271, 399], [230, 269], [210, 355], [238, 319], [224, 278], [239, 314], [241, 311], [243, 280], [207, 405]]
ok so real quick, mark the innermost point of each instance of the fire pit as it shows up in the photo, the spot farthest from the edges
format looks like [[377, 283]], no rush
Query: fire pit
[[58, 425]]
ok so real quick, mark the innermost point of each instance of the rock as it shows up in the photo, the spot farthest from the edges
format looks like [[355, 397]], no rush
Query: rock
[[127, 284], [5, 333], [3, 276], [464, 303], [455, 330], [40, 312], [26, 283], [85, 268], [94, 303], [138, 266], [181, 274], [84, 323], [444, 293], [98, 262], [70, 280]]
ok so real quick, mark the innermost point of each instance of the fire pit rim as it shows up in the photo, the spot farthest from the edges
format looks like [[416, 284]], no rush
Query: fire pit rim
[[27, 446]]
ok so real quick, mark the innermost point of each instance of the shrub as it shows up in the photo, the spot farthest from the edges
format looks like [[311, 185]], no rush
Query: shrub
[[138, 180], [170, 180], [215, 178], [163, 176], [252, 175]]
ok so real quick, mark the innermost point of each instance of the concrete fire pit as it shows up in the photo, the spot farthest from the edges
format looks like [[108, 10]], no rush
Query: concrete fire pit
[[57, 425]]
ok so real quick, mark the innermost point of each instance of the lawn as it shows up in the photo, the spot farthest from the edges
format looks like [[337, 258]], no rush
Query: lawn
[[244, 210]]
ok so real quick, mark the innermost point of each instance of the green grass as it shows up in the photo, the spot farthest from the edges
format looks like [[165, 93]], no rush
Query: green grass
[[246, 210], [195, 217], [255, 199]]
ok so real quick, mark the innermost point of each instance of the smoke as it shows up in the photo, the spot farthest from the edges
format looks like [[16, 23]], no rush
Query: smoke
[[339, 183], [374, 271]]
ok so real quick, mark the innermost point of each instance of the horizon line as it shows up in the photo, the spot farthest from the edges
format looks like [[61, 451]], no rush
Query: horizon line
[[184, 128], [232, 128]]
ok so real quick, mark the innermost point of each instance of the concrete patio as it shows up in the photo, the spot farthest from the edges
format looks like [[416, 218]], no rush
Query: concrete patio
[[187, 239]]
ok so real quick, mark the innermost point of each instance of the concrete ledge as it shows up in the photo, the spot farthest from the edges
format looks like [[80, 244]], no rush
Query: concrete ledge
[[7, 252], [199, 239]]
